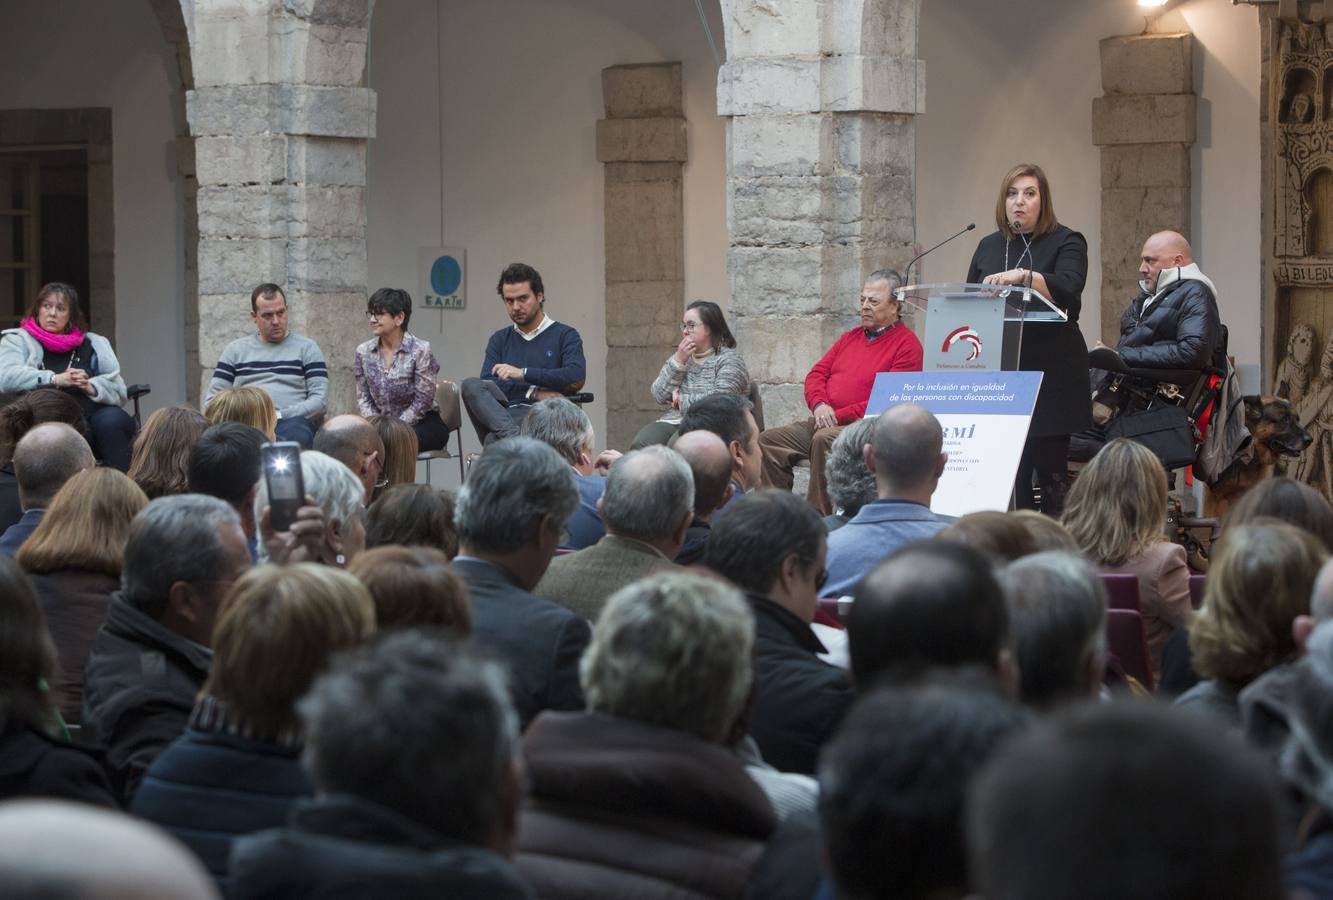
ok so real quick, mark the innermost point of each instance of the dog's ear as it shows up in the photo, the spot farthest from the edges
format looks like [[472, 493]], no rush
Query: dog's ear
[[1254, 409]]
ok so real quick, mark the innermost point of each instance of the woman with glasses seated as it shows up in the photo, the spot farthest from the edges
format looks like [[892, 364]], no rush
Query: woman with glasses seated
[[395, 370], [705, 362]]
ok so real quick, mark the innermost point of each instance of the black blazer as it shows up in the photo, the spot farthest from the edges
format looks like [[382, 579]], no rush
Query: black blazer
[[539, 643], [1063, 406]]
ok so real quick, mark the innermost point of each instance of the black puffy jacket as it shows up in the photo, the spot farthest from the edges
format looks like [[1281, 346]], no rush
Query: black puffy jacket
[[1179, 328]]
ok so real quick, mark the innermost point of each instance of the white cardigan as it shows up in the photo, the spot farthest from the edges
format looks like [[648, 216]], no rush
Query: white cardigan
[[21, 366]]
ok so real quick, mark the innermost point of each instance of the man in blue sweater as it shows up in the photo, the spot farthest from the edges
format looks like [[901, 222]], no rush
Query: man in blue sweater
[[534, 360]]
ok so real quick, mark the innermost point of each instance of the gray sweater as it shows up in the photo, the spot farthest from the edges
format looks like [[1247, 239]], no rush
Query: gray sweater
[[293, 372], [722, 372]]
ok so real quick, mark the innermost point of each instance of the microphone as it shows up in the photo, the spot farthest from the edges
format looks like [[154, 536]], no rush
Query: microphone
[[907, 281], [1027, 249]]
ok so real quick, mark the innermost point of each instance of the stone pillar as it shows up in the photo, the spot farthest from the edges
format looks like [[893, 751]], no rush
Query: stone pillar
[[281, 116], [1144, 124], [642, 142], [821, 184]]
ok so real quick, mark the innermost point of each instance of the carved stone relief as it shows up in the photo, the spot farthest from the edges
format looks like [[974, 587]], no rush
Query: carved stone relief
[[1298, 138]]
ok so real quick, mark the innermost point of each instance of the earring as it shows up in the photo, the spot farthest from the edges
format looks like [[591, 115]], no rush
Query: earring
[[340, 560]]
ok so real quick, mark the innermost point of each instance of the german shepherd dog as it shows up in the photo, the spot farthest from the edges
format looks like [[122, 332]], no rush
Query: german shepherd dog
[[1276, 432]]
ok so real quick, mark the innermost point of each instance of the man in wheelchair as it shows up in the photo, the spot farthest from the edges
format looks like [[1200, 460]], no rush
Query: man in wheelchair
[[1168, 364]]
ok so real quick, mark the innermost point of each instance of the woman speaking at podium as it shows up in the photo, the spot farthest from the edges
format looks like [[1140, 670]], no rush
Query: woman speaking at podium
[[1032, 249]]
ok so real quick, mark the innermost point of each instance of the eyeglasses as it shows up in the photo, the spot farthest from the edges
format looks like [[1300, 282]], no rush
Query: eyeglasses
[[372, 316], [821, 580], [689, 326]]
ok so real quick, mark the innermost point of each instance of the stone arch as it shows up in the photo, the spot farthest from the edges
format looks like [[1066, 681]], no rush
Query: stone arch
[[1318, 195]]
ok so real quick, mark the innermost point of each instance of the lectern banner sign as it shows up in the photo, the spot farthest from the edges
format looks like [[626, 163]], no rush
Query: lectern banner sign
[[963, 333], [985, 417]]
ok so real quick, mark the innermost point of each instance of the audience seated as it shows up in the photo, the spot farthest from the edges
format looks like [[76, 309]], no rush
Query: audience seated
[[930, 605], [50, 849], [413, 515], [355, 443], [239, 758], [160, 462], [1108, 801], [45, 458], [34, 762], [1057, 613], [227, 463], [335, 534], [647, 507], [1290, 501], [998, 535], [509, 514], [732, 419], [151, 656], [45, 404], [73, 560], [1304, 760], [906, 453], [1264, 702], [1046, 533], [244, 405], [710, 464], [413, 750], [638, 796], [1259, 581], [565, 428], [400, 449], [771, 545], [893, 783], [414, 587], [1116, 511], [847, 479]]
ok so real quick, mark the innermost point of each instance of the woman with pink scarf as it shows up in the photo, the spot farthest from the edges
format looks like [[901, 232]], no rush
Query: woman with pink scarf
[[52, 347]]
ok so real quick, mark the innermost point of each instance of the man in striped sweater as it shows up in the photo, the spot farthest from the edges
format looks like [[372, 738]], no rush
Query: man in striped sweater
[[288, 366]]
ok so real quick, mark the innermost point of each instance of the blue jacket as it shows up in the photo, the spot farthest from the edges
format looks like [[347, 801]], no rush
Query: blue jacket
[[873, 533], [552, 360], [209, 788], [584, 528], [20, 531]]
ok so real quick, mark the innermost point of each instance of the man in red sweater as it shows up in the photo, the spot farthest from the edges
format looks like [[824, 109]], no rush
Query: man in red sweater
[[838, 386]]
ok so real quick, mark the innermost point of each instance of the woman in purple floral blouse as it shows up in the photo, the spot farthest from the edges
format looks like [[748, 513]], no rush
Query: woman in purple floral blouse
[[395, 371]]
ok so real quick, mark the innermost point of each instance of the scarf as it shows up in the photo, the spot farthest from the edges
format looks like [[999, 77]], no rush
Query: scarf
[[56, 343]]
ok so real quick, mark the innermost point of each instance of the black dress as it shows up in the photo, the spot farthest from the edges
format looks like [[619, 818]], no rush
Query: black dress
[[1063, 405]]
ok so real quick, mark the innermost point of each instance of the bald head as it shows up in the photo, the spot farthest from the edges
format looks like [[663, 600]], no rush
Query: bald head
[[906, 453], [1321, 598], [356, 444], [710, 462], [55, 849], [45, 458], [1163, 250]]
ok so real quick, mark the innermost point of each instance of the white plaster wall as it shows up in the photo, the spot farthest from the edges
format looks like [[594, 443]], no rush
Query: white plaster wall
[[91, 53], [1011, 82], [519, 88]]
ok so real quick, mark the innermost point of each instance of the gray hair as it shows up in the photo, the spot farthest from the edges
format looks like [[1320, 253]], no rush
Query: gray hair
[[515, 484], [45, 458], [850, 484], [672, 650], [419, 724], [893, 278], [907, 442], [1057, 616], [174, 539], [561, 425], [338, 493], [647, 494]]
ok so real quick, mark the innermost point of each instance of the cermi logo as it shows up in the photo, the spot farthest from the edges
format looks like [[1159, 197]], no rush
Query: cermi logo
[[966, 334]]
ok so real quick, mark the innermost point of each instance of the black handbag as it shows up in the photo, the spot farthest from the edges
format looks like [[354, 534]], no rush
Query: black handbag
[[1166, 431]]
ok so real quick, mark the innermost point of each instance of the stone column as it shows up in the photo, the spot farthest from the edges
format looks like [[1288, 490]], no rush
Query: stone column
[[1144, 124], [281, 116], [642, 142], [821, 184]]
